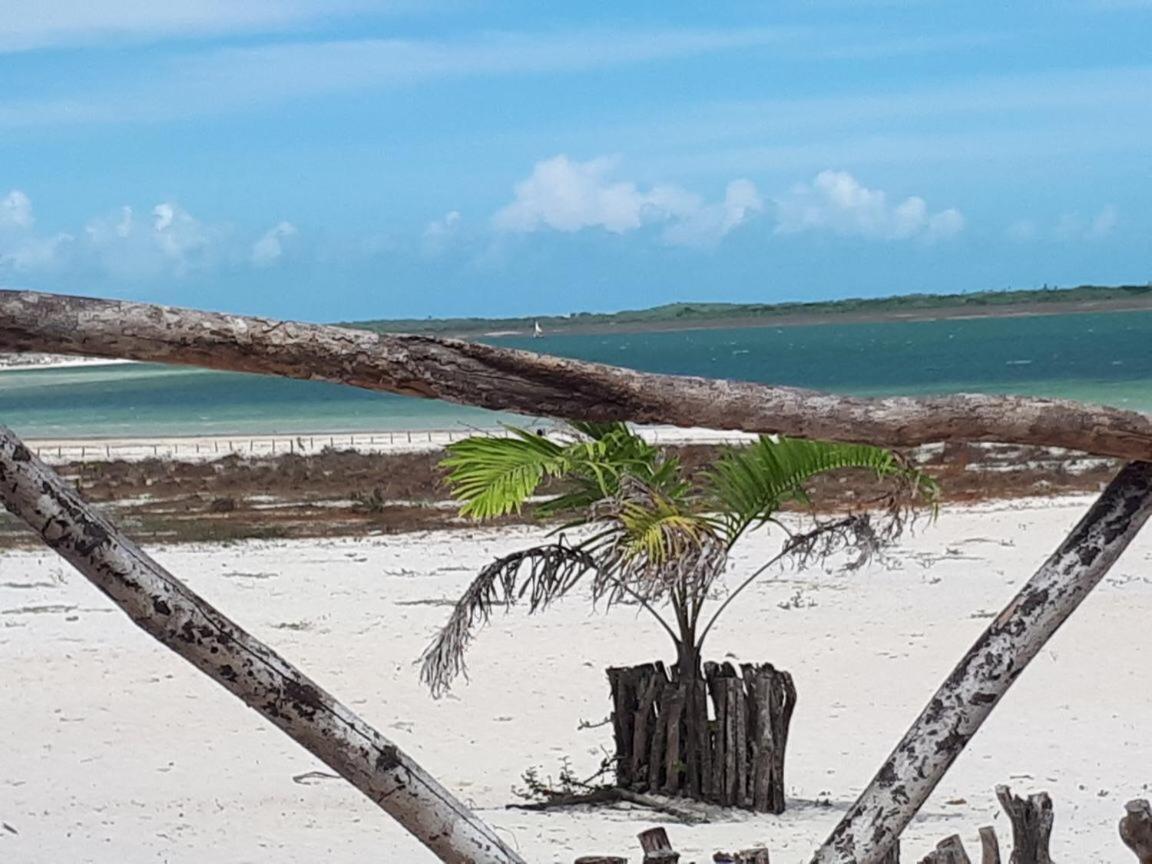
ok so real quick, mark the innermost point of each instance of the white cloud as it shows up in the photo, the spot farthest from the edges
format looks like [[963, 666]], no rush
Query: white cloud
[[710, 223], [1068, 228], [172, 242], [565, 195], [270, 247], [837, 202], [15, 210], [439, 232], [21, 248]]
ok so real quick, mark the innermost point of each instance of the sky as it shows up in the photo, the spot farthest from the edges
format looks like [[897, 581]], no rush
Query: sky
[[350, 159]]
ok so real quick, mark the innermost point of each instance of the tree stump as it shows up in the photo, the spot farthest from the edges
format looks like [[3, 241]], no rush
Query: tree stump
[[948, 851], [1136, 829], [657, 848], [667, 744], [1031, 826]]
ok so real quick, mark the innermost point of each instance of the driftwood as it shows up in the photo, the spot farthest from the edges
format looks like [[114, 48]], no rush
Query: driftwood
[[984, 675], [536, 385], [169, 611], [657, 848], [948, 851], [1136, 829], [1031, 820], [684, 811], [754, 855], [989, 846]]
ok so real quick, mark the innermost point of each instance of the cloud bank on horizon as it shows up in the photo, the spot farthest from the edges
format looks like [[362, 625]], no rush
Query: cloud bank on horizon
[[363, 158]]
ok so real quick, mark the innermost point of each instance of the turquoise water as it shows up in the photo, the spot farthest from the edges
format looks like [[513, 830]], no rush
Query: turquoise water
[[1104, 358]]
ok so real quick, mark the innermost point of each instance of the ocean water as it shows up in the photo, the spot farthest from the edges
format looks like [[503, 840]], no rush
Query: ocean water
[[1103, 358]]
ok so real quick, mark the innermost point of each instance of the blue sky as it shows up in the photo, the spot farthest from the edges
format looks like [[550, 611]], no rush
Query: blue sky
[[336, 159]]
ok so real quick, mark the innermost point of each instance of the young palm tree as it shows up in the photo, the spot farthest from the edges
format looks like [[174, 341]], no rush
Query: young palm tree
[[654, 537]]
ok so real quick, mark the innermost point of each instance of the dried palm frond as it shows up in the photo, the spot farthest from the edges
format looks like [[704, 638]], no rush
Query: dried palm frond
[[552, 571]]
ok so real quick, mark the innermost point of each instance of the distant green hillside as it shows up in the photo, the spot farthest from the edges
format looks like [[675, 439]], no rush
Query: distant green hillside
[[673, 314]]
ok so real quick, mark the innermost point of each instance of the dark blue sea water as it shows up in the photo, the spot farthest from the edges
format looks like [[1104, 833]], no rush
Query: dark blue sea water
[[1104, 358]]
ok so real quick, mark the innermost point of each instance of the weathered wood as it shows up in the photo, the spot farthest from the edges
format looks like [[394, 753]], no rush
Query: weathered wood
[[892, 856], [600, 859], [625, 683], [169, 611], [537, 385], [743, 796], [673, 754], [655, 778], [645, 725], [950, 850], [1136, 829], [718, 731], [772, 699], [755, 855], [986, 672], [1031, 820], [989, 846], [657, 848]]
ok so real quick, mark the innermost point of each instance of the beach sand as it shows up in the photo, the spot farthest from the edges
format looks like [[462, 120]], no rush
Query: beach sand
[[115, 750]]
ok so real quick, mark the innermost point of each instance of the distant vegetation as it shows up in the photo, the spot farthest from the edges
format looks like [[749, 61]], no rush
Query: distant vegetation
[[672, 315]]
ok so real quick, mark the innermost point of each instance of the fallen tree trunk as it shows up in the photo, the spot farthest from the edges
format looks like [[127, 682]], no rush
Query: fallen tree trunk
[[977, 684], [536, 385], [169, 611]]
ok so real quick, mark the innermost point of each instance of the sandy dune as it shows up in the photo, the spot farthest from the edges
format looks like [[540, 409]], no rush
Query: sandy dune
[[117, 751]]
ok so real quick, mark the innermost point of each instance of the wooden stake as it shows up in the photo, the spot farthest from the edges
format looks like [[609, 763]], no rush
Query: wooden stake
[[169, 611], [948, 851], [1031, 820], [1136, 829], [989, 846], [967, 697]]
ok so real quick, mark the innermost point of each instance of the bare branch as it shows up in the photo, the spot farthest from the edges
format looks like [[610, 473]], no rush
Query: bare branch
[[536, 385], [169, 611], [973, 689]]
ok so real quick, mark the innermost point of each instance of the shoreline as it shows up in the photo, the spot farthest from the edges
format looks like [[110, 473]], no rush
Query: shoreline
[[801, 319]]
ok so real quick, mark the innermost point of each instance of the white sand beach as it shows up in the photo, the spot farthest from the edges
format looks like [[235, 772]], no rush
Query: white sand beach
[[118, 751]]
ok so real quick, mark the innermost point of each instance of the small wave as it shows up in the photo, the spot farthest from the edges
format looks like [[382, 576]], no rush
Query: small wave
[[1018, 363]]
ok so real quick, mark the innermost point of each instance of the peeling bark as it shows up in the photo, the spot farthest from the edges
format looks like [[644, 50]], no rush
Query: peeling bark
[[169, 611], [536, 385], [984, 675]]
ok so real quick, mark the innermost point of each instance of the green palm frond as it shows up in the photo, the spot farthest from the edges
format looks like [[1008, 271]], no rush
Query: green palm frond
[[495, 476], [748, 484]]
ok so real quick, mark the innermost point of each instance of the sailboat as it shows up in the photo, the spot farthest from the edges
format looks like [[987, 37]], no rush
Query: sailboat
[[537, 332]]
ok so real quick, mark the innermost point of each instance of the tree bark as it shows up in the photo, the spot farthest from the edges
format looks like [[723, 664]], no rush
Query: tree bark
[[169, 611], [984, 675], [536, 385]]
